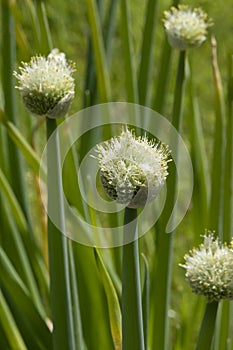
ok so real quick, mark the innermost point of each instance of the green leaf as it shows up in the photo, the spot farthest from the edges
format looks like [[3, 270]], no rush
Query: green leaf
[[8, 323], [15, 208], [130, 70], [20, 296], [113, 302], [147, 52], [19, 140], [103, 80]]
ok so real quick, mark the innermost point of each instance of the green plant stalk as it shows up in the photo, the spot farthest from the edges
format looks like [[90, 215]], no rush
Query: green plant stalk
[[207, 327], [78, 332], [132, 321], [63, 335], [159, 100], [228, 178], [130, 71], [216, 199], [8, 61], [103, 79], [147, 52], [163, 271], [146, 300], [201, 170]]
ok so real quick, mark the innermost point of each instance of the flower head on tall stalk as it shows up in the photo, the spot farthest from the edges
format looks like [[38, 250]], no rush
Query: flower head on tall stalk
[[132, 169], [209, 269], [186, 27], [47, 84]]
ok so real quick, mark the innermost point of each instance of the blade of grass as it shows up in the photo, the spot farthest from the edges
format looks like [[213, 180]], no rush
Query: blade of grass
[[147, 52], [132, 320], [113, 303]]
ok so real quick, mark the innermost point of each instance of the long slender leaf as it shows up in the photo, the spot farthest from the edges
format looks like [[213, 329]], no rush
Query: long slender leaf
[[22, 301], [103, 80], [130, 70], [147, 52], [113, 303], [13, 202], [13, 335]]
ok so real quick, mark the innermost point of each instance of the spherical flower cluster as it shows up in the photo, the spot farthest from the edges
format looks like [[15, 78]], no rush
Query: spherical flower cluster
[[209, 269], [132, 169], [186, 27], [46, 84]]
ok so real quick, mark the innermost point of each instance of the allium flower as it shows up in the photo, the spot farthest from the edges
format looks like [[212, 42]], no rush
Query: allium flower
[[132, 169], [209, 269], [46, 84], [186, 27]]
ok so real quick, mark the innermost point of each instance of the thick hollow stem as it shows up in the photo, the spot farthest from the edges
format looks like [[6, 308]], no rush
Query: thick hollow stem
[[132, 322]]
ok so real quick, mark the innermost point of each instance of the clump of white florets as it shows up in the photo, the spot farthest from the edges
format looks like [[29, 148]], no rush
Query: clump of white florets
[[186, 27], [46, 84], [132, 169], [209, 269]]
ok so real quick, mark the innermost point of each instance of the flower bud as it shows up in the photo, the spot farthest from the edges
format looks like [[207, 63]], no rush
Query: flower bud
[[186, 27], [132, 169], [46, 84], [209, 269]]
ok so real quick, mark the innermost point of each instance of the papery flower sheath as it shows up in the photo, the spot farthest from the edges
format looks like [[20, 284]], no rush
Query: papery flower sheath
[[47, 84], [186, 27], [132, 169], [209, 269]]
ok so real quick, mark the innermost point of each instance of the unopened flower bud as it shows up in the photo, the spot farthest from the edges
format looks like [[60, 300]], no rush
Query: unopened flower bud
[[46, 84]]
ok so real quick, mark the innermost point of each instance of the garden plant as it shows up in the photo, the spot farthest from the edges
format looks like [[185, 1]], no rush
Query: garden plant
[[116, 175]]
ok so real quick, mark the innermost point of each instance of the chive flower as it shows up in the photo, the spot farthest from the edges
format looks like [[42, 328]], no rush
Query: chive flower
[[132, 169], [186, 27], [46, 84], [209, 269]]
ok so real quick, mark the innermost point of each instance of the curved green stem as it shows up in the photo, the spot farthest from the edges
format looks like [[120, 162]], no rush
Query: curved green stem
[[132, 322]]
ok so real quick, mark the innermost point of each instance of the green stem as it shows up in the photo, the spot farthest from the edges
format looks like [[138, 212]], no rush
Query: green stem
[[8, 61], [163, 272], [63, 334], [207, 327], [132, 322]]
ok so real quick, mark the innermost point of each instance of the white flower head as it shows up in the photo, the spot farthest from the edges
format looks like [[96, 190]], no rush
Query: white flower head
[[186, 27], [47, 84], [209, 269], [132, 169]]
